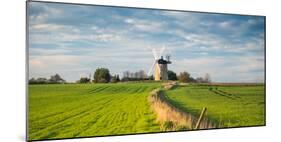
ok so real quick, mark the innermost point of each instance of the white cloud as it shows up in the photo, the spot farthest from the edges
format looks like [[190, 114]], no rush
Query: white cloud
[[181, 16], [145, 25], [129, 21], [81, 49], [53, 27], [223, 69], [45, 61], [203, 53], [47, 65], [225, 24], [39, 18], [45, 13], [56, 33]]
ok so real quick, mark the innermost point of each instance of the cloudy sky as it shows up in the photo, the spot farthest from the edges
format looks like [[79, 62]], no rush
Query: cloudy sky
[[74, 40]]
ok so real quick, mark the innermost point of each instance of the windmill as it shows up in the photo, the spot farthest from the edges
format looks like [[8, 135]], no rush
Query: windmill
[[160, 65]]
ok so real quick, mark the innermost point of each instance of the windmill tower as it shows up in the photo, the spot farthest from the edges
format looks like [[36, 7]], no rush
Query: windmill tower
[[160, 65]]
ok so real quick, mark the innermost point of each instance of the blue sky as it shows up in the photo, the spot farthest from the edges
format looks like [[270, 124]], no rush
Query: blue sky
[[74, 40]]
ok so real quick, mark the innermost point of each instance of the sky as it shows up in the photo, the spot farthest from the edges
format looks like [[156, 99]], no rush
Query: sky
[[74, 40]]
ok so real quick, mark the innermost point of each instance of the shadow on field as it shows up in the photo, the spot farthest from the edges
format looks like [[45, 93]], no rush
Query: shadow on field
[[224, 94]]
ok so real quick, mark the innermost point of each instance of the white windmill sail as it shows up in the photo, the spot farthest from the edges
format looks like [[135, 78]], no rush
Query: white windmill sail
[[151, 68], [155, 65]]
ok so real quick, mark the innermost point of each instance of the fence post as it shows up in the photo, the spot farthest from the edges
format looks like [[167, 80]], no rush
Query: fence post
[[200, 118]]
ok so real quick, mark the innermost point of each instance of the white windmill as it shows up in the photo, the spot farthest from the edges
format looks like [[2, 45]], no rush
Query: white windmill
[[160, 65]]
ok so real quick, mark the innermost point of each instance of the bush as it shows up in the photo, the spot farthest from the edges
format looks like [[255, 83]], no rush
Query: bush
[[172, 75], [84, 80]]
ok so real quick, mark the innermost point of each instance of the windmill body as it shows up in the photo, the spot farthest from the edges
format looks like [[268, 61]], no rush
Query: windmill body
[[160, 66], [161, 69]]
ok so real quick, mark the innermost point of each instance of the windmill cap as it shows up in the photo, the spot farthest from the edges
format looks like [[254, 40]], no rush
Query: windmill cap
[[162, 61]]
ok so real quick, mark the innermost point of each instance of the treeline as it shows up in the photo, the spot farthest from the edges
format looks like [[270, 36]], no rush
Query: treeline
[[102, 75], [136, 76], [54, 79], [186, 77]]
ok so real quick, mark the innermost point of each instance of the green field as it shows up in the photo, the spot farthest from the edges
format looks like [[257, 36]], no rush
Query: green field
[[81, 110], [228, 106], [64, 111]]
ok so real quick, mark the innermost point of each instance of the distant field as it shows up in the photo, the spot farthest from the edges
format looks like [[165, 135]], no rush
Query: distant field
[[81, 110], [229, 106], [74, 110]]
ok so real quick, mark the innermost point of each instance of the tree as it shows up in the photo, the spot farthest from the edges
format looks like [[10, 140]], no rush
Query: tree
[[84, 80], [42, 80], [101, 75], [184, 76], [126, 74], [207, 78], [56, 79], [134, 76], [172, 75], [199, 80], [32, 81], [191, 79], [142, 74], [151, 77], [39, 80], [117, 78]]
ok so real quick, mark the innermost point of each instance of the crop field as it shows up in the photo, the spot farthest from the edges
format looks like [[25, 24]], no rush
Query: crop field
[[228, 106], [77, 110], [82, 110]]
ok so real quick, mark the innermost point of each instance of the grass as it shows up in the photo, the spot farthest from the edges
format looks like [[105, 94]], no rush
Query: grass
[[228, 106], [170, 117], [83, 110], [77, 110]]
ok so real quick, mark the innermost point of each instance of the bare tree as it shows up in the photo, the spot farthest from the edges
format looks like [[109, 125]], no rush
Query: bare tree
[[126, 74], [199, 80], [184, 76], [207, 78], [142, 74], [132, 75]]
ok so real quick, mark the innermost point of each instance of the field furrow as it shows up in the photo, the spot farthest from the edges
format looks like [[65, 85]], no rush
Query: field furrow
[[228, 106], [82, 110], [102, 109]]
